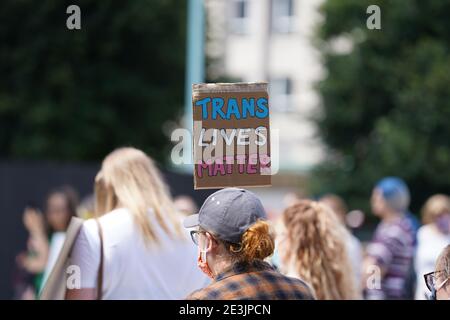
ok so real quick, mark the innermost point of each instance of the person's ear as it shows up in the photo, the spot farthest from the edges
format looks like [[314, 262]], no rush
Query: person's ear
[[212, 243]]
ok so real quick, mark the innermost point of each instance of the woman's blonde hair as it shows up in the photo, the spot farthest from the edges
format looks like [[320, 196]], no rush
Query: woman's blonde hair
[[316, 242], [257, 243], [129, 179], [435, 206]]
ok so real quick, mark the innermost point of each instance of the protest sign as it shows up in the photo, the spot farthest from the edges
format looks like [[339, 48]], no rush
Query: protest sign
[[231, 135]]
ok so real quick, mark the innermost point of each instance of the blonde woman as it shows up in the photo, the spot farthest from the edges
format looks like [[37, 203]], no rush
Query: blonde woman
[[312, 247], [144, 253], [431, 238]]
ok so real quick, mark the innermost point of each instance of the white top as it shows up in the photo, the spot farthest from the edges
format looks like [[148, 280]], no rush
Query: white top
[[132, 270], [430, 243], [354, 251]]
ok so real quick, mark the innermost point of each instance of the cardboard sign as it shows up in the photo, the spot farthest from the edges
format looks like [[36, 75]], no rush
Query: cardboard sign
[[231, 142]]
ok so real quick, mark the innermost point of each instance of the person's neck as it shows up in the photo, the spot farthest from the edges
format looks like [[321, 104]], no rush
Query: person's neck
[[391, 216], [220, 266]]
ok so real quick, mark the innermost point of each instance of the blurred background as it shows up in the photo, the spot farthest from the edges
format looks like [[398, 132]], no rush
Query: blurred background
[[352, 105]]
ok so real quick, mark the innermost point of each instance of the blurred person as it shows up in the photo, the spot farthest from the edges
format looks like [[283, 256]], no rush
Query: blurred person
[[352, 243], [390, 253], [313, 248], [278, 228], [337, 204], [438, 282], [185, 205], [31, 263], [86, 209], [61, 206], [47, 233], [137, 248], [233, 240], [291, 198], [431, 238]]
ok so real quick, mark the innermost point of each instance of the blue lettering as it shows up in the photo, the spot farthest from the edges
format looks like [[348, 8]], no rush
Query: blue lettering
[[204, 103], [262, 105], [248, 106], [233, 108], [217, 104]]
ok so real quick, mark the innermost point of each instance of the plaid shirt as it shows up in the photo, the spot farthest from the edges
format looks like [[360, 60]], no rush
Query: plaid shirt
[[256, 281]]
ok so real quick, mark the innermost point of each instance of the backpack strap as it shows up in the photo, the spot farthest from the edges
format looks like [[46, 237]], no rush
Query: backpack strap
[[100, 268]]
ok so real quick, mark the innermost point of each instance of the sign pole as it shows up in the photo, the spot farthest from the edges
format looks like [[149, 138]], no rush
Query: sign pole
[[195, 62]]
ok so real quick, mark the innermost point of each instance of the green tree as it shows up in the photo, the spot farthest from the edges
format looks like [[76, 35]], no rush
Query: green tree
[[77, 94], [386, 103]]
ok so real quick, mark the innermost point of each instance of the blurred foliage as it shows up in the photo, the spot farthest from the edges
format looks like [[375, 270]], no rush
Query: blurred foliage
[[386, 103], [78, 94]]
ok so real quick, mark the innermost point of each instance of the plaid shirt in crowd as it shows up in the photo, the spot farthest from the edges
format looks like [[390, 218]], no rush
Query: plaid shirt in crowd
[[256, 281]]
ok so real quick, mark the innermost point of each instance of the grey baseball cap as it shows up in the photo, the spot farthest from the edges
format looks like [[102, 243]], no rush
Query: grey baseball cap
[[228, 213]]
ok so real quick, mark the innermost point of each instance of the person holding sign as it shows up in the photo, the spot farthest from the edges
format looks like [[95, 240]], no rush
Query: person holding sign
[[233, 240]]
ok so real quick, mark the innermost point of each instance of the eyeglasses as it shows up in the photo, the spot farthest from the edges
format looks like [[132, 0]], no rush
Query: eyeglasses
[[431, 281], [195, 234]]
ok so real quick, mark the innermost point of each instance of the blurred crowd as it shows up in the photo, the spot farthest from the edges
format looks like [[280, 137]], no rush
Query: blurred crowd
[[46, 235], [308, 251]]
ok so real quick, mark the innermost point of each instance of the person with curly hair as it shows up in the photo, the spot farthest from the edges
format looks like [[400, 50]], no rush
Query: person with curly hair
[[312, 247]]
